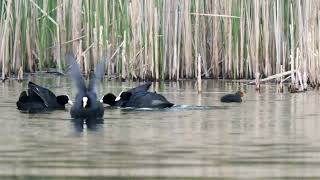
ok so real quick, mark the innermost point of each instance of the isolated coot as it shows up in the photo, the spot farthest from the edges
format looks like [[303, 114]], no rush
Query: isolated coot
[[138, 97], [232, 97], [38, 98], [86, 105]]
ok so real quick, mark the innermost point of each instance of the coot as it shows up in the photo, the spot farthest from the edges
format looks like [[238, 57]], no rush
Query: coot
[[138, 97], [38, 98], [86, 105], [232, 97]]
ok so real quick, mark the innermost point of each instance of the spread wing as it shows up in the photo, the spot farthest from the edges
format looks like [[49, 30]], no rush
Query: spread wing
[[98, 75], [74, 71], [141, 88]]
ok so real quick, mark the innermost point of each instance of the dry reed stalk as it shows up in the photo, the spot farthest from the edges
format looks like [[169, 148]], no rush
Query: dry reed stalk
[[179, 42], [123, 59], [175, 47], [16, 54], [214, 15], [108, 60], [170, 41], [58, 50], [306, 45], [28, 44], [187, 40], [237, 60], [277, 31], [61, 20], [215, 29], [281, 79], [134, 43], [265, 15], [228, 57], [101, 44], [86, 56], [150, 55], [165, 19], [196, 36], [275, 76], [199, 74], [4, 52], [256, 20], [242, 26], [95, 49], [145, 41], [318, 53], [61, 33], [156, 42], [203, 44], [292, 46], [43, 11], [76, 29], [20, 74], [139, 40]]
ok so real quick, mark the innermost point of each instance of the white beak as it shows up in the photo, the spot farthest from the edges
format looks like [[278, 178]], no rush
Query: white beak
[[70, 102], [118, 98], [84, 101], [101, 100]]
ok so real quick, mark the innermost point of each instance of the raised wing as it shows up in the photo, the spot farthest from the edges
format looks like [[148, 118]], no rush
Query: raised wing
[[141, 88], [74, 71], [98, 75], [35, 92]]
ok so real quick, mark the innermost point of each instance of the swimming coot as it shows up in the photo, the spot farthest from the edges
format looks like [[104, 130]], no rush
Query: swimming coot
[[86, 105], [38, 98], [138, 97], [115, 101], [144, 100], [232, 97]]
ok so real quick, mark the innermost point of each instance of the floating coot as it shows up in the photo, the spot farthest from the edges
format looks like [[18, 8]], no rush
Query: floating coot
[[232, 97], [137, 97], [38, 98], [86, 105]]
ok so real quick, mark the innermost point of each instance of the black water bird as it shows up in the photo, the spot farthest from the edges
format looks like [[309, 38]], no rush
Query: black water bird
[[37, 98], [86, 107], [138, 97], [117, 101], [232, 97]]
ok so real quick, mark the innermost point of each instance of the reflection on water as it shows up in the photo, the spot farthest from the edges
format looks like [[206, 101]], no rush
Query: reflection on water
[[269, 135]]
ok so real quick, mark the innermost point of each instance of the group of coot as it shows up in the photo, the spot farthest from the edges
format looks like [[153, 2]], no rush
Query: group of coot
[[86, 104]]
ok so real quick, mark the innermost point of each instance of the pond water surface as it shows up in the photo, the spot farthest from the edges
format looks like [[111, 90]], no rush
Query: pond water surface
[[268, 136]]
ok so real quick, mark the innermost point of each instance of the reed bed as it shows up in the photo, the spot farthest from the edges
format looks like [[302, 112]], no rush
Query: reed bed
[[162, 39]]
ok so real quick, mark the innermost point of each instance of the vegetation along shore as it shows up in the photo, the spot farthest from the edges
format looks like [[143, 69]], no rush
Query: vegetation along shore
[[165, 39]]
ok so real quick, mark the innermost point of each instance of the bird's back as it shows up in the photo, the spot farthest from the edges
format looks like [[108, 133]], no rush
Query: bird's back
[[47, 96], [30, 102], [231, 98], [148, 100]]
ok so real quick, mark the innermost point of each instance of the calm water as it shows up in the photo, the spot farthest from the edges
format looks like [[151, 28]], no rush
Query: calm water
[[268, 136]]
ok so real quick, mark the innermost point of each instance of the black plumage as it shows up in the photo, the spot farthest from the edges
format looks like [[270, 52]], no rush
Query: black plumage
[[138, 97], [232, 97], [38, 98], [86, 105]]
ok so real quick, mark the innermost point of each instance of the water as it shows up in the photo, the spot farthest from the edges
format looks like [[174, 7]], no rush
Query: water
[[268, 136]]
